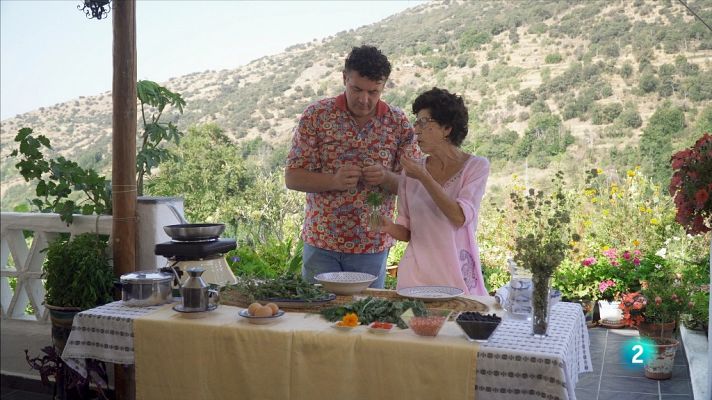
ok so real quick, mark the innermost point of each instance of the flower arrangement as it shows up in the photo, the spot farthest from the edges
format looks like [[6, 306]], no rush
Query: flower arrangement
[[543, 231], [543, 236], [691, 186]]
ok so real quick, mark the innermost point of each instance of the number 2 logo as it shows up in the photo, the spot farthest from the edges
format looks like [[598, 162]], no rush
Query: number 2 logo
[[638, 349]]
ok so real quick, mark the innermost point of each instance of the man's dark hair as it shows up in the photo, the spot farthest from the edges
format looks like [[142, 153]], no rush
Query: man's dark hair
[[369, 62], [447, 109]]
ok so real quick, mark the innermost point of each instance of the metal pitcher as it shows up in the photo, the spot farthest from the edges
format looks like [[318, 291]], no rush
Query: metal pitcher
[[197, 296]]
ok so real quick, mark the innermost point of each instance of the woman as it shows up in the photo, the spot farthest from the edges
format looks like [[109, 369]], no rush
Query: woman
[[439, 200]]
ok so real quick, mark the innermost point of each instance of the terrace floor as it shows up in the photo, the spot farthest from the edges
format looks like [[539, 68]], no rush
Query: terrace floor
[[610, 380]]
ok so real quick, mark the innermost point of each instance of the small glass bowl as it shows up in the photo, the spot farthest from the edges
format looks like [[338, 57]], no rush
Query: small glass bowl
[[430, 323]]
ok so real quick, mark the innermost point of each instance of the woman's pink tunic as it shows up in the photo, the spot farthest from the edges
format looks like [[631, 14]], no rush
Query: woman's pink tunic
[[438, 252]]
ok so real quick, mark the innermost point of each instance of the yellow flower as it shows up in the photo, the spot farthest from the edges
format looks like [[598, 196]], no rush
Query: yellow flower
[[636, 243], [642, 209], [631, 173], [594, 200], [649, 210], [605, 248], [605, 212], [350, 319], [599, 171], [587, 223], [654, 221]]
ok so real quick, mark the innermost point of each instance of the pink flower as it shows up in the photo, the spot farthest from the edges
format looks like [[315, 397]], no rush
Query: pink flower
[[604, 285], [626, 255], [636, 261], [615, 263], [637, 252], [587, 262], [610, 253]]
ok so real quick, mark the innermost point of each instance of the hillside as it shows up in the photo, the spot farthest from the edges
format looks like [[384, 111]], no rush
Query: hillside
[[550, 84]]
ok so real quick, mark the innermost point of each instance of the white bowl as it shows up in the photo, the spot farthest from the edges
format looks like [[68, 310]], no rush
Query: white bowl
[[345, 283]]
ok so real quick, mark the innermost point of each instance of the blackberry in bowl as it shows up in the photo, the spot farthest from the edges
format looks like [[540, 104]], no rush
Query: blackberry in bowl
[[477, 327]]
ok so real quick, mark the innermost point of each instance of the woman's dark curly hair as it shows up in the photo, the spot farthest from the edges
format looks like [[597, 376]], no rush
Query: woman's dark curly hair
[[447, 109], [369, 62]]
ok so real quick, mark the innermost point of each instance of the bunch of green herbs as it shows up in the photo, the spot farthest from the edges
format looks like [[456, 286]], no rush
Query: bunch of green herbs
[[286, 286], [373, 309]]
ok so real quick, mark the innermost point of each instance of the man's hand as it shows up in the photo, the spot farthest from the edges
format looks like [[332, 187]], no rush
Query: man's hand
[[347, 177], [374, 174]]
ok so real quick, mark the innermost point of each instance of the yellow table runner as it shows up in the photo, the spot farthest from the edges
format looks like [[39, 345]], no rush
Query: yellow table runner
[[218, 355]]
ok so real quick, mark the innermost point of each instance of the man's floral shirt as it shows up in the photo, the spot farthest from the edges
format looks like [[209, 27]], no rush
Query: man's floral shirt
[[328, 137]]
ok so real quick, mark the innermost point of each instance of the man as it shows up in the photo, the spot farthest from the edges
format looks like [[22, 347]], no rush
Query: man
[[345, 148]]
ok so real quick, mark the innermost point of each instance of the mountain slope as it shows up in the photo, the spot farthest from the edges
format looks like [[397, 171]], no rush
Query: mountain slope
[[550, 84]]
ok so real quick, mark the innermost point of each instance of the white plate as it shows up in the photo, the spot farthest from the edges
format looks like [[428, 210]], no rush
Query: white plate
[[380, 331], [430, 293], [343, 328], [345, 283], [260, 320], [180, 309]]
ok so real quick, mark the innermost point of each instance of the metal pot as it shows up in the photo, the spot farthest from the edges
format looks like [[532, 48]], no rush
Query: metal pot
[[146, 288]]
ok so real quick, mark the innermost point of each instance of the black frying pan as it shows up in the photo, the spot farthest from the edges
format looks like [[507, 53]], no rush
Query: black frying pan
[[192, 232], [188, 232]]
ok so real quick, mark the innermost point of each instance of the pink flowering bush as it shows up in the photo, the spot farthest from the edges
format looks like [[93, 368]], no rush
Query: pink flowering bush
[[691, 186]]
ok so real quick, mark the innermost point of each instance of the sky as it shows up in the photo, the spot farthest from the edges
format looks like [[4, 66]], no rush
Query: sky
[[50, 52]]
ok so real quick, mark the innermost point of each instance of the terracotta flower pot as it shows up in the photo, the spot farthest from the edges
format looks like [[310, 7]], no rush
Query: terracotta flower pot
[[656, 330]]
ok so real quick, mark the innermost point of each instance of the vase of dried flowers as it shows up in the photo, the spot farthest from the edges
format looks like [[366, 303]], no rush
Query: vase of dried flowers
[[543, 237]]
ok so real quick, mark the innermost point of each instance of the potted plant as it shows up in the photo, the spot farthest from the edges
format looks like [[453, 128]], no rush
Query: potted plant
[[655, 311], [577, 283], [543, 236], [78, 276]]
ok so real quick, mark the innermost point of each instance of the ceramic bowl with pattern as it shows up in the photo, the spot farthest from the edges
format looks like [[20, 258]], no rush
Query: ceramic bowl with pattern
[[345, 283]]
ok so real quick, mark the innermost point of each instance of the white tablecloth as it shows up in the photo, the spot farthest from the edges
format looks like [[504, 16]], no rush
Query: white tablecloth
[[511, 365], [512, 354], [104, 333]]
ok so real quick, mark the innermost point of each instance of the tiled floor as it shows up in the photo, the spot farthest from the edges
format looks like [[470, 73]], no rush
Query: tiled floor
[[613, 380], [610, 379]]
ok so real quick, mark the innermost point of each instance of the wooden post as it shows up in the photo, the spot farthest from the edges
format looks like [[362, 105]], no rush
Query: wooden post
[[123, 168], [123, 174]]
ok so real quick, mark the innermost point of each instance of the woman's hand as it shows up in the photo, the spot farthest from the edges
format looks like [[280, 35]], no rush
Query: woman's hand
[[398, 232], [414, 168]]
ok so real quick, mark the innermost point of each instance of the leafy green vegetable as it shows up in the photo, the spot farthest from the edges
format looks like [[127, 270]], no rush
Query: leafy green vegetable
[[287, 286], [373, 309], [374, 199]]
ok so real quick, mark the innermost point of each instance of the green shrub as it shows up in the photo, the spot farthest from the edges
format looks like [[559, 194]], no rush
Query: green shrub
[[526, 97], [605, 113], [554, 58]]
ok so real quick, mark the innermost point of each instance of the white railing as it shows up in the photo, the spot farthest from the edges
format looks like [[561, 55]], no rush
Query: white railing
[[27, 257]]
